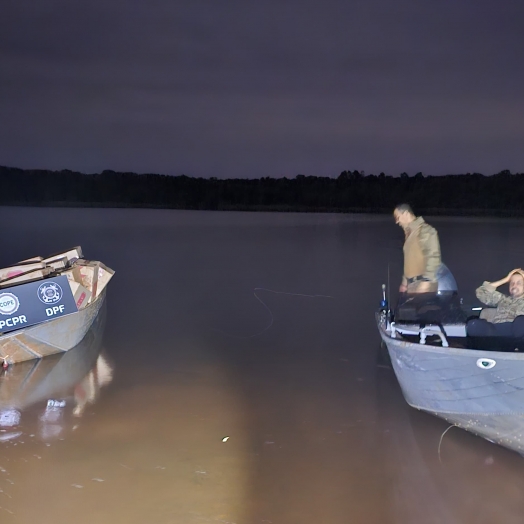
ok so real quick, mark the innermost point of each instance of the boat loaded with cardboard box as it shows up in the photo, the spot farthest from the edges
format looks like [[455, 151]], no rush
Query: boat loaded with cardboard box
[[47, 305]]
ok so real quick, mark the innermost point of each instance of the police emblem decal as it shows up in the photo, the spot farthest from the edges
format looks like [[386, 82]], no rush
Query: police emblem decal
[[9, 303], [49, 293]]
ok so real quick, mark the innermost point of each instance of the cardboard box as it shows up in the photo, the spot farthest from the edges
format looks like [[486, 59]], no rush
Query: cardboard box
[[81, 295], [71, 256], [59, 263], [104, 276], [86, 273], [69, 274], [29, 276], [31, 260], [13, 271]]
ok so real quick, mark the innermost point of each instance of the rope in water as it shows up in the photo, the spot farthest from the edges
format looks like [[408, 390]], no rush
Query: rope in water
[[271, 317]]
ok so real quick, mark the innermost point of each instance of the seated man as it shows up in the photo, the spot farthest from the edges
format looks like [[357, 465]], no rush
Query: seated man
[[508, 319]]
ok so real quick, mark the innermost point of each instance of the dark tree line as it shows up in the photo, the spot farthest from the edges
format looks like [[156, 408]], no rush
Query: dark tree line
[[351, 191]]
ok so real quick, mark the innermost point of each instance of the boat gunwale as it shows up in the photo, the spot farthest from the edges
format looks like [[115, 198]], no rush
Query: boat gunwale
[[427, 348], [27, 330]]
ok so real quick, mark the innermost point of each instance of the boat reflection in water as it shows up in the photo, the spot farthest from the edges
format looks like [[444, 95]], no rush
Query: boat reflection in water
[[435, 476], [43, 398]]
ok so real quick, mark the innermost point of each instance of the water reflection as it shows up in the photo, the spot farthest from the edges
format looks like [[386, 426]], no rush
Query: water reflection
[[436, 478], [46, 398]]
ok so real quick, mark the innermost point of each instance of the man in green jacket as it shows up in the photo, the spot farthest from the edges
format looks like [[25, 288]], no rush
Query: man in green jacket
[[421, 252], [508, 317]]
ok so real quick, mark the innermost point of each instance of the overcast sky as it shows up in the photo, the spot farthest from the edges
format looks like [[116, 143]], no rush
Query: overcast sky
[[268, 88]]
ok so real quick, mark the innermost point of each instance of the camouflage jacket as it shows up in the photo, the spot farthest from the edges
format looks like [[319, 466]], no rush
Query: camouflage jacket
[[508, 308], [421, 251]]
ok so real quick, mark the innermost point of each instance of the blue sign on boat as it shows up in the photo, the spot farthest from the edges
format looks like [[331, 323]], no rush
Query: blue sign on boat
[[29, 304]]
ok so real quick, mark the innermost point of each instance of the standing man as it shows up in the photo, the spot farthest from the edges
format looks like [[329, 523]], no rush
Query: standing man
[[421, 252]]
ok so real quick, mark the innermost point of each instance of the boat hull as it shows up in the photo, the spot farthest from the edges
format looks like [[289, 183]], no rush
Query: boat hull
[[54, 336], [480, 391], [39, 380]]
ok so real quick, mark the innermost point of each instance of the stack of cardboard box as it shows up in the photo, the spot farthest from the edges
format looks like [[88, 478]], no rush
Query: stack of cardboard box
[[86, 278]]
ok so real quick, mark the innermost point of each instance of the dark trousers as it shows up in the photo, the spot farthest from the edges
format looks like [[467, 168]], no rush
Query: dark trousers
[[477, 327]]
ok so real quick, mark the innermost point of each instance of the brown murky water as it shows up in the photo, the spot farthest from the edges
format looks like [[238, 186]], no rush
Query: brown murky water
[[200, 398]]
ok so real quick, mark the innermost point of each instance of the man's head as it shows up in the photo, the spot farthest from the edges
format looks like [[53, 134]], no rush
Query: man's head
[[516, 285], [403, 215]]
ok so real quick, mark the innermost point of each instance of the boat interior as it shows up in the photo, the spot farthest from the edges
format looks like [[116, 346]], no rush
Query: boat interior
[[439, 319]]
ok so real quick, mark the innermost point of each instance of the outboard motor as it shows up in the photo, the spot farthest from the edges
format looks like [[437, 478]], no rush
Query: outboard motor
[[442, 307], [446, 280]]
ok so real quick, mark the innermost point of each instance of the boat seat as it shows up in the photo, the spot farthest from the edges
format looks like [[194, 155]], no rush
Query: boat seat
[[503, 344], [430, 314], [430, 308]]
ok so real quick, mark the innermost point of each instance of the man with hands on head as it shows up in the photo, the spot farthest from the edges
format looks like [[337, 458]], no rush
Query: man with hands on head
[[508, 318]]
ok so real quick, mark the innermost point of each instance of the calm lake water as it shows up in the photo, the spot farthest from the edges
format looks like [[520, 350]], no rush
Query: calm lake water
[[235, 377]]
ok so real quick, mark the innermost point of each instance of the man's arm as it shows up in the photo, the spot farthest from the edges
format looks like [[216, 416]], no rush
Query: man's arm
[[488, 295], [430, 246], [506, 279], [487, 292]]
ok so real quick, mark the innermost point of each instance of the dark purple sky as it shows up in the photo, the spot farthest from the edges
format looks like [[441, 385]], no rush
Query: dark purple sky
[[268, 88]]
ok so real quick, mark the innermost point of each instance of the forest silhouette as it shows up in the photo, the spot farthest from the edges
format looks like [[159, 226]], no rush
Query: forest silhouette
[[501, 194]]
